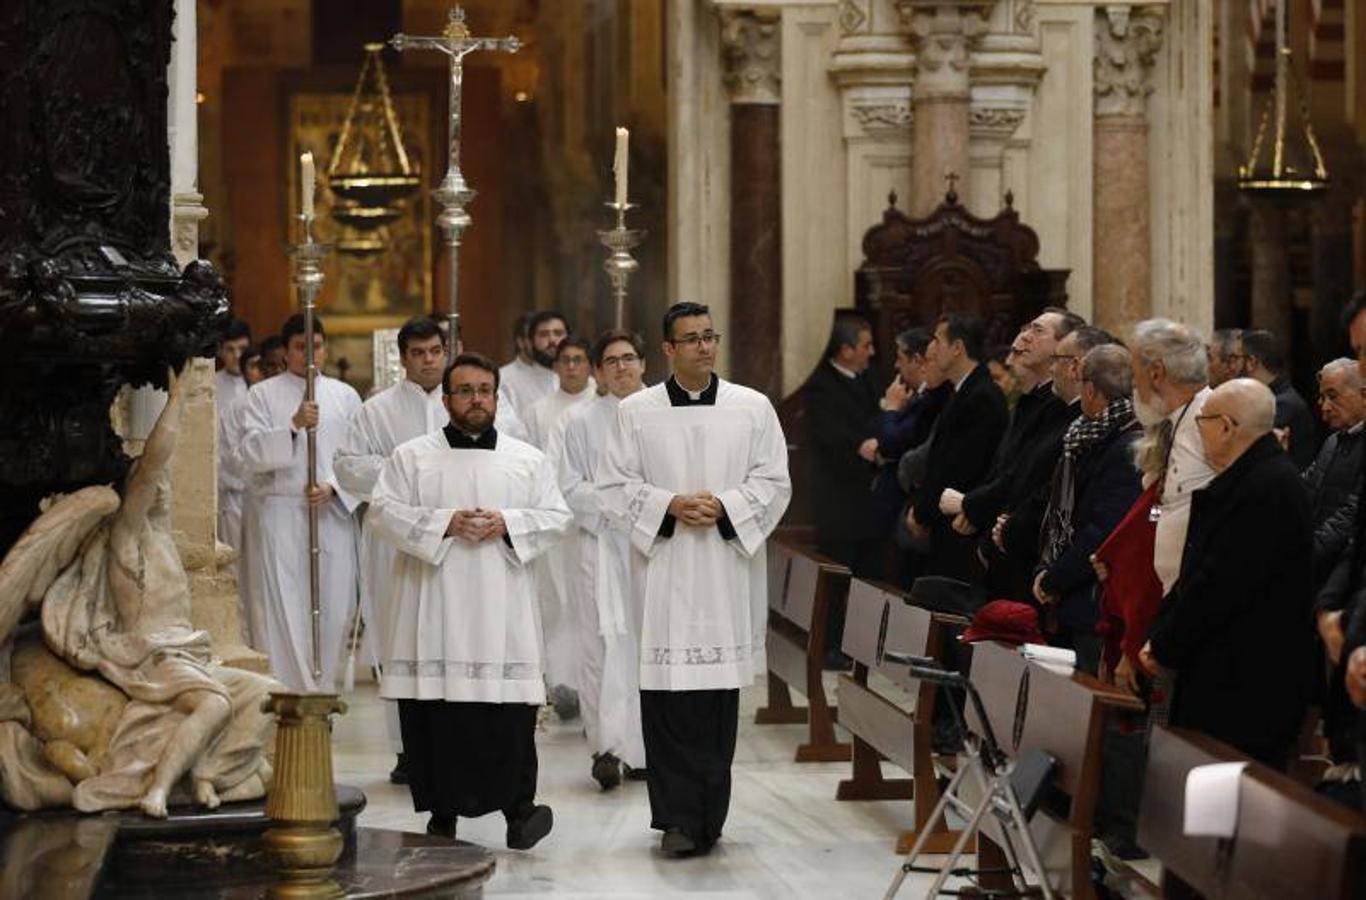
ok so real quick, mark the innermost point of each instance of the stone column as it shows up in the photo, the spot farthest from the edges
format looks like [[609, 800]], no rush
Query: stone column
[[1127, 40], [194, 467], [943, 36], [750, 46], [1270, 269]]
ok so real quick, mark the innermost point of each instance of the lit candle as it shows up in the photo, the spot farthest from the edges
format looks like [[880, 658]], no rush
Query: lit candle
[[619, 165], [307, 184]]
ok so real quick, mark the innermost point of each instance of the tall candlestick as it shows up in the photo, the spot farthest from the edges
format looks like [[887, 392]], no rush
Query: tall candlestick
[[619, 164], [307, 184]]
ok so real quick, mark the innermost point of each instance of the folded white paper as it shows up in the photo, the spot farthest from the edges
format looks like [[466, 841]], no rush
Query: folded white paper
[[1057, 656], [1212, 799]]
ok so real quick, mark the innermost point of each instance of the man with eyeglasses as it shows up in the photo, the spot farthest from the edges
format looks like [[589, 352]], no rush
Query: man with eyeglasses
[[1025, 456], [1334, 476], [598, 579], [396, 415], [1233, 627], [468, 510], [696, 469], [546, 420]]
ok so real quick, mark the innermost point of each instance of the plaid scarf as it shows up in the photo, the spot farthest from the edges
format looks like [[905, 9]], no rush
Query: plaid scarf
[[1080, 436]]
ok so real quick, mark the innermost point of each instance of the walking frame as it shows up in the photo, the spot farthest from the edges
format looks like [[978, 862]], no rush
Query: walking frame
[[1008, 789]]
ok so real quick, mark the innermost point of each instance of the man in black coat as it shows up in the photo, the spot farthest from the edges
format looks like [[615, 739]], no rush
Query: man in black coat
[[964, 444], [1236, 626], [842, 418], [1262, 356], [1332, 479], [1093, 487]]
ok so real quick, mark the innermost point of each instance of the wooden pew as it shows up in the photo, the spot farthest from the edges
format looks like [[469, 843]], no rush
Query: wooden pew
[[878, 619], [1031, 707], [1289, 841], [806, 587]]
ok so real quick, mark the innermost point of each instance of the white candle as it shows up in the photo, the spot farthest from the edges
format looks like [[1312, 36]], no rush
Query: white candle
[[307, 184], [619, 165]]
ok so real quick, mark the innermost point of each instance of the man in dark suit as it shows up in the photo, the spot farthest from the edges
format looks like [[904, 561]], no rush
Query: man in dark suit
[[964, 444], [842, 418], [1236, 625], [1262, 356]]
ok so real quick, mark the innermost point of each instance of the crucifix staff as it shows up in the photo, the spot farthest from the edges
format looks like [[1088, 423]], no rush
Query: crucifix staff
[[453, 193]]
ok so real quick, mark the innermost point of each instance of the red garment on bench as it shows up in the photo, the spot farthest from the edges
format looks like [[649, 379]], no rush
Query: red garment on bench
[[1130, 597]]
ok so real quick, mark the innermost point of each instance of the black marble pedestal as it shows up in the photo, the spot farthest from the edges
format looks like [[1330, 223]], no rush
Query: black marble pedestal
[[196, 853]]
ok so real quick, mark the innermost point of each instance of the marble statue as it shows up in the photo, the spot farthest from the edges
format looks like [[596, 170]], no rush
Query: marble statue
[[114, 700]]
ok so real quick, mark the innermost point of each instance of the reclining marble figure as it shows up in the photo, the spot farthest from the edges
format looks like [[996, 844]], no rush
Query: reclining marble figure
[[117, 701]]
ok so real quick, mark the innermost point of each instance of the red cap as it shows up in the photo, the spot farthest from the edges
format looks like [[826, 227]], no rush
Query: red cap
[[1005, 621]]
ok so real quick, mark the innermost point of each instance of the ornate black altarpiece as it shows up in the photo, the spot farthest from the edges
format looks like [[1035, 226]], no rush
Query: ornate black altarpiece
[[90, 294]]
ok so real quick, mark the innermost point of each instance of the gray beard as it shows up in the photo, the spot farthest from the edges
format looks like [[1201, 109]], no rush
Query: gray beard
[[1149, 414]]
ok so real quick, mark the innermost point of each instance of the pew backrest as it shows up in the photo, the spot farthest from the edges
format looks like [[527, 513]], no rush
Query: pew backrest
[[779, 563]]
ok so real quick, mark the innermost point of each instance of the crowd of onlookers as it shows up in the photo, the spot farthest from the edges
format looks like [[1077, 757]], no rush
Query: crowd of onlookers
[[1167, 507]]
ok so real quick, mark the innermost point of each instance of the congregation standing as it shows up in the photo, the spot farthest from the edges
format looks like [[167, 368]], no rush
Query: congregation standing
[[554, 531]]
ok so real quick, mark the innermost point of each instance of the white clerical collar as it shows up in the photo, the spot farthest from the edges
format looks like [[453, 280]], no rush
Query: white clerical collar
[[959, 383], [1356, 429], [841, 369]]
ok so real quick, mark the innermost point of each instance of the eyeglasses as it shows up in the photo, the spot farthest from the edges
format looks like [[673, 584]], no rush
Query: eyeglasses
[[1207, 417], [692, 340], [469, 391], [617, 362]]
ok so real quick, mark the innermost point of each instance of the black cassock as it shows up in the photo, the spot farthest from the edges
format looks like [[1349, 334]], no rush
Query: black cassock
[[689, 745]]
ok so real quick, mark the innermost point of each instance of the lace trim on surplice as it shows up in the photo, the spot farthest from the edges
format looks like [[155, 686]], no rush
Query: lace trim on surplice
[[474, 671]]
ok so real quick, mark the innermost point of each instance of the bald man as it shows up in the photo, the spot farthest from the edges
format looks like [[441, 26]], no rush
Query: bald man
[[1235, 628]]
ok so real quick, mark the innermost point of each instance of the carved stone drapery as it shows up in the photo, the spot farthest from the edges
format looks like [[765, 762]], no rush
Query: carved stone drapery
[[751, 46], [1127, 41]]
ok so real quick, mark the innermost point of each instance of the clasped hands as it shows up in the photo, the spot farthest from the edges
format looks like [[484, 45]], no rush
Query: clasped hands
[[476, 526], [701, 510]]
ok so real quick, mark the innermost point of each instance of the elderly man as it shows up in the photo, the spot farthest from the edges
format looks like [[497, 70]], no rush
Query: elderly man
[[1234, 626], [1333, 478], [1094, 485]]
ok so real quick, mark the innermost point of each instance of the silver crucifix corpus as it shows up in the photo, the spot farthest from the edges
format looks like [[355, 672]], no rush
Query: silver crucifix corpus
[[453, 193]]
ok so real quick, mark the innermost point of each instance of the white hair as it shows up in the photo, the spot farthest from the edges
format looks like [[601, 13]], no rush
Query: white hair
[[1346, 366], [1180, 349]]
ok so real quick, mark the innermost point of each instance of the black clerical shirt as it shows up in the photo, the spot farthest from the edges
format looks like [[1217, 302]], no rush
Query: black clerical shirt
[[459, 440], [680, 397]]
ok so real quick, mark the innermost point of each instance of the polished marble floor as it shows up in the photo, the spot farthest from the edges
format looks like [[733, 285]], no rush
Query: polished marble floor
[[786, 836]]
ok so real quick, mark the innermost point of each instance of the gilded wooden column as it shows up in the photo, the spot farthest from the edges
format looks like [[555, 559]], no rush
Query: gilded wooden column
[[751, 46], [1127, 39], [943, 35]]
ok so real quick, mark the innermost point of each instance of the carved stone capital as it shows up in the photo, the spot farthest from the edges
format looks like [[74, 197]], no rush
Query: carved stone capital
[[751, 45], [995, 121], [1127, 41], [943, 36], [882, 116]]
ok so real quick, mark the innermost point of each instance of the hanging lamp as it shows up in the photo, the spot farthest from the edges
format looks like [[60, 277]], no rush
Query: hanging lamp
[[369, 172], [1285, 162]]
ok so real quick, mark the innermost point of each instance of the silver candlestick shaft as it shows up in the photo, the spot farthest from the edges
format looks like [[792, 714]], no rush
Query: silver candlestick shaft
[[453, 193], [308, 278], [620, 265]]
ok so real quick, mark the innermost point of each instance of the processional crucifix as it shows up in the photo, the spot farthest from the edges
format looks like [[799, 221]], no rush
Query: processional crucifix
[[453, 193]]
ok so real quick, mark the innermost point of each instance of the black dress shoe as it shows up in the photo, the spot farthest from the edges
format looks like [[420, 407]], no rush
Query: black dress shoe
[[442, 826], [606, 770], [526, 830], [676, 843], [631, 774], [399, 773]]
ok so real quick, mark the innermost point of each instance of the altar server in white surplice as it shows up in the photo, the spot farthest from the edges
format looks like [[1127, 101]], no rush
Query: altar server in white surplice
[[597, 574], [697, 467], [468, 510], [531, 374], [396, 415], [576, 387], [229, 385], [275, 453]]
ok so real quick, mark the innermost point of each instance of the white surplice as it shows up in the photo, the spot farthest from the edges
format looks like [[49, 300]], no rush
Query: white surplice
[[704, 599], [276, 457], [231, 430], [600, 593], [228, 390], [521, 385], [465, 625], [561, 644]]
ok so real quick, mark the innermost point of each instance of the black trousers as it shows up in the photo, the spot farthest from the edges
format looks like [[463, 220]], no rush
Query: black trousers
[[689, 746], [470, 759]]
